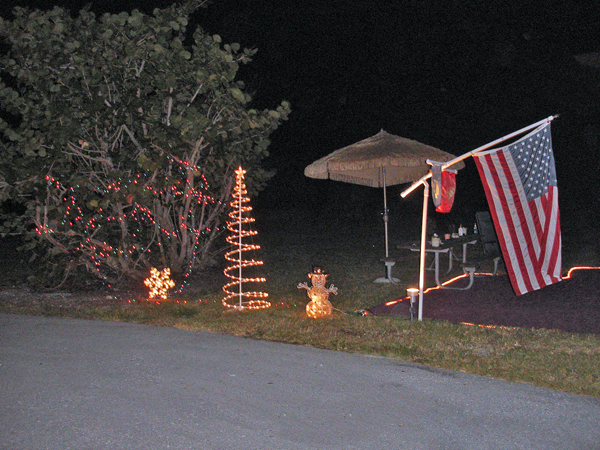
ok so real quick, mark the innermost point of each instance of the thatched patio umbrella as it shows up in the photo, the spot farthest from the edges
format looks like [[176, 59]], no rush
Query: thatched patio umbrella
[[379, 161]]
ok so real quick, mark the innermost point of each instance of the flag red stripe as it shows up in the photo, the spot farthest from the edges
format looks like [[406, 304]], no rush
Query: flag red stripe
[[554, 262], [514, 214], [528, 231], [511, 213], [556, 259], [499, 210]]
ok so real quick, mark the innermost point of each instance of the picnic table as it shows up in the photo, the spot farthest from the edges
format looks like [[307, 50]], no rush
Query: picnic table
[[449, 247]]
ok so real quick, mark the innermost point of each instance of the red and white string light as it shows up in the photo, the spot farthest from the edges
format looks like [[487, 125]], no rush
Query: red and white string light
[[236, 297], [86, 219]]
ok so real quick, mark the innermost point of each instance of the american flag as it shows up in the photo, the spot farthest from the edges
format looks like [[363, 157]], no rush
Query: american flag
[[520, 185]]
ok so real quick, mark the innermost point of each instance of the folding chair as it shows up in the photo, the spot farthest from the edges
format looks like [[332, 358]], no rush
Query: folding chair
[[489, 244]]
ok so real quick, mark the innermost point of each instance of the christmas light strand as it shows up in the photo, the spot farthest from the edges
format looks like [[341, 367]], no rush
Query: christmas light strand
[[85, 223], [159, 283], [239, 219]]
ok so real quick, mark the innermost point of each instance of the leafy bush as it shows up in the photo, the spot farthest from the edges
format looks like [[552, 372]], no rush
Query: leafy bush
[[120, 135]]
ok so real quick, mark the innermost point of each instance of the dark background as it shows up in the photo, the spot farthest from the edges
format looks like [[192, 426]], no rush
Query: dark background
[[454, 75], [451, 74]]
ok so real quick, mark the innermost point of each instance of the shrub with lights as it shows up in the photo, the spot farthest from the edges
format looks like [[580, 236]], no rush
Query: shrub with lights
[[121, 141], [122, 227], [236, 295]]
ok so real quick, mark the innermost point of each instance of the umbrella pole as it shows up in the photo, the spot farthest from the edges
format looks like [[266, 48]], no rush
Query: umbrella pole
[[385, 213], [388, 262], [422, 255]]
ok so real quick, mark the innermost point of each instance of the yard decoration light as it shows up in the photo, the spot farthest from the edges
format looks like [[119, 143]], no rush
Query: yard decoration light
[[413, 292], [159, 282], [319, 305], [76, 221], [239, 218]]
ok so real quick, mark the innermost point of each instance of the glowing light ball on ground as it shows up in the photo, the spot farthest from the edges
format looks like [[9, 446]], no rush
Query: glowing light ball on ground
[[238, 226], [319, 305], [159, 282]]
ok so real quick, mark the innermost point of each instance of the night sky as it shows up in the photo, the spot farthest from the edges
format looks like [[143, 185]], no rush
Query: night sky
[[451, 74], [454, 75]]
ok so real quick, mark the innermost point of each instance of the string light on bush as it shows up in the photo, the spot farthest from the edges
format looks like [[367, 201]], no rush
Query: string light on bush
[[239, 219], [120, 224], [158, 283]]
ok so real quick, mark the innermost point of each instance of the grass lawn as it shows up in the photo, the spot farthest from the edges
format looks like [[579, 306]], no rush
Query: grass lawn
[[350, 250]]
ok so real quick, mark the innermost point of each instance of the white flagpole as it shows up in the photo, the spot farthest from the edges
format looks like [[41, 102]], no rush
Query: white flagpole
[[423, 181], [422, 255], [416, 184]]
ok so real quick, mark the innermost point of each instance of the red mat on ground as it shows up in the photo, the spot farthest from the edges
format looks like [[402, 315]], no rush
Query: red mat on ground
[[572, 305]]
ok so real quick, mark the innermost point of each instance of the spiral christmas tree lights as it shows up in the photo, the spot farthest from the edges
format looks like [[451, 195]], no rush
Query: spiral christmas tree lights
[[236, 297]]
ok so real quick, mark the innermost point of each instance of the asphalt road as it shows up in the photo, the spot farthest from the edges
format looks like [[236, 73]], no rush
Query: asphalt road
[[77, 384]]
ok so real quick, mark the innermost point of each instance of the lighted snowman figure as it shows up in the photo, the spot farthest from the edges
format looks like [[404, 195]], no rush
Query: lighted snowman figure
[[319, 305]]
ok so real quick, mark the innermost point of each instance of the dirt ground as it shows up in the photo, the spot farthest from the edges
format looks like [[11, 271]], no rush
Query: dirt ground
[[572, 305]]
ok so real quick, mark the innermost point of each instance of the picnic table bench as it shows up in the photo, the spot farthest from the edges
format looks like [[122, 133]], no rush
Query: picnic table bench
[[446, 247]]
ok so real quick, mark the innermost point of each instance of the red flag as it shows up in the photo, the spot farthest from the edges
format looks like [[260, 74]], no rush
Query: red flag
[[521, 189], [443, 186]]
